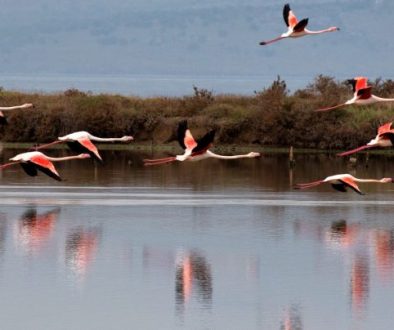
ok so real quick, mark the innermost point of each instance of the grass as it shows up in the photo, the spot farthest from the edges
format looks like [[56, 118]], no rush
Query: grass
[[270, 119]]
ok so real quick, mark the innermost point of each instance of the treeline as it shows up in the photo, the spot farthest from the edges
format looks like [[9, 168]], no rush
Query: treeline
[[271, 117]]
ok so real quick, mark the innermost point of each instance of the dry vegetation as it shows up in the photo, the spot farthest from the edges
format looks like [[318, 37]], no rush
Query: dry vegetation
[[271, 117]]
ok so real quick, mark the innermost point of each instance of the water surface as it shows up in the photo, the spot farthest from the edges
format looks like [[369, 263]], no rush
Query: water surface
[[207, 245]]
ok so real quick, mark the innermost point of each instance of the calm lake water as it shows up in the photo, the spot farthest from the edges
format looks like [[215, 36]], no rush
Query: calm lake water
[[207, 245]]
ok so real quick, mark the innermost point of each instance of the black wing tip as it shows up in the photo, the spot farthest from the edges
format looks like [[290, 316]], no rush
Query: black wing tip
[[286, 6], [3, 120], [182, 123]]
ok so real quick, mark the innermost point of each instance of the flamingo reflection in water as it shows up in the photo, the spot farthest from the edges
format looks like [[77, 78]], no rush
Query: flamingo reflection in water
[[81, 248], [193, 275], [359, 283], [34, 230], [292, 319], [383, 244]]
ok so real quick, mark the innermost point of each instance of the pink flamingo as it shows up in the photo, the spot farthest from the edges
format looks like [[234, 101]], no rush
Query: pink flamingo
[[362, 95], [81, 142], [195, 150], [35, 160], [341, 182], [3, 120], [384, 138], [296, 28]]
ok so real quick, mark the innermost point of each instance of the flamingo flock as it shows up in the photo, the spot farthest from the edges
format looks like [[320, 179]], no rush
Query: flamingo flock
[[199, 149]]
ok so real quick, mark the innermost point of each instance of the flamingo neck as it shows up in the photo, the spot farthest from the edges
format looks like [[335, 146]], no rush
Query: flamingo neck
[[318, 31], [366, 180], [98, 139], [12, 108], [60, 159], [213, 155], [381, 99]]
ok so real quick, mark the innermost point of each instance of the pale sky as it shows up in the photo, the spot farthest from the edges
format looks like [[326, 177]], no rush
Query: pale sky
[[215, 37]]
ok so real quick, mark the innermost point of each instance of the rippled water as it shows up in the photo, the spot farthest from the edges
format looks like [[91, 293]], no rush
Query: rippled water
[[208, 245]]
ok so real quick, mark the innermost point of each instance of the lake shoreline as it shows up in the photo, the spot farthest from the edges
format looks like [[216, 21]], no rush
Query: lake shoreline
[[174, 147]]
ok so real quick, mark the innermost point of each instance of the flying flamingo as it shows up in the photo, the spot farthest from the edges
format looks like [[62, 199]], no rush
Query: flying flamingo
[[296, 28], [195, 150], [81, 142], [341, 182], [3, 120], [384, 138], [35, 160], [362, 95]]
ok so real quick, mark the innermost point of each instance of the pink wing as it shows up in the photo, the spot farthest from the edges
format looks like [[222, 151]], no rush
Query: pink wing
[[45, 163], [361, 83], [189, 141], [349, 182], [90, 146], [384, 128]]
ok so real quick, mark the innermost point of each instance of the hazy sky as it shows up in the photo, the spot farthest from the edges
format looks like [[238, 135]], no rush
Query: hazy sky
[[207, 37]]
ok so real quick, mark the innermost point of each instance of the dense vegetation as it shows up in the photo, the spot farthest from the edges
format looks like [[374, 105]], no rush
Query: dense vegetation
[[271, 117]]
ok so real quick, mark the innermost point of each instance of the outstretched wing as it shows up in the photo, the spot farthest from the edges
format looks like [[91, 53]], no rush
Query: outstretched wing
[[45, 166], [90, 148], [300, 26], [351, 184], [289, 17], [364, 93], [339, 186], [386, 132], [29, 169], [205, 142], [384, 128], [358, 83], [3, 120], [185, 137]]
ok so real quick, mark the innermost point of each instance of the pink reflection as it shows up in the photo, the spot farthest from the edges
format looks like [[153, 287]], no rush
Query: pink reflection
[[34, 230], [193, 276], [292, 319], [343, 235], [81, 248], [384, 250], [359, 283]]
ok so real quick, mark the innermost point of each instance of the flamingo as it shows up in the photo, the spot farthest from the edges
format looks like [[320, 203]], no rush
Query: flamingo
[[3, 120], [195, 150], [35, 160], [362, 95], [81, 142], [341, 182], [296, 28], [384, 138]]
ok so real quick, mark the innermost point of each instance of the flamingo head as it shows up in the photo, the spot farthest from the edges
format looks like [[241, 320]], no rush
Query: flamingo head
[[333, 29], [27, 106], [126, 138], [83, 156], [253, 154], [387, 180]]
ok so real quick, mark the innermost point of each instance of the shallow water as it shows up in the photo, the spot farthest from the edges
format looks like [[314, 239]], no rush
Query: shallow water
[[207, 245]]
